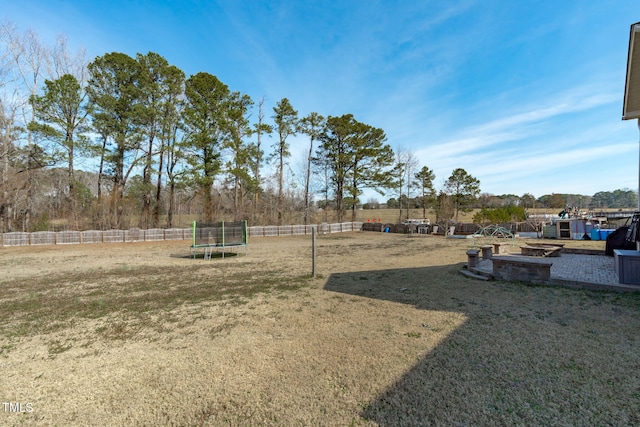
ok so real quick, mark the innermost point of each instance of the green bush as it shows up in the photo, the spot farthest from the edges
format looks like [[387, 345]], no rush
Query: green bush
[[500, 215]]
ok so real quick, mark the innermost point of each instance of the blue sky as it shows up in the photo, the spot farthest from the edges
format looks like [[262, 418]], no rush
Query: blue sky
[[524, 95]]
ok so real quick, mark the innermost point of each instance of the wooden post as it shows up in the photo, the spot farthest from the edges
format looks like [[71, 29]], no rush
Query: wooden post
[[313, 251]]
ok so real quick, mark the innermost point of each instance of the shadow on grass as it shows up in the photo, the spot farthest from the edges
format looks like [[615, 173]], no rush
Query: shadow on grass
[[526, 355], [200, 256]]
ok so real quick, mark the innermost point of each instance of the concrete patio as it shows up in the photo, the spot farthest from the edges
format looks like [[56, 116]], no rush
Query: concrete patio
[[596, 272]]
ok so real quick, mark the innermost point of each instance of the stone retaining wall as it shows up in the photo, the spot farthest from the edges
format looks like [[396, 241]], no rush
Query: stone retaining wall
[[520, 268]]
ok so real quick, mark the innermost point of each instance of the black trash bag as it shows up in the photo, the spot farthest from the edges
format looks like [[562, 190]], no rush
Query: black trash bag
[[618, 240]]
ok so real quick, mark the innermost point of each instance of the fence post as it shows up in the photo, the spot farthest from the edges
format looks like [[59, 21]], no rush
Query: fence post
[[313, 251]]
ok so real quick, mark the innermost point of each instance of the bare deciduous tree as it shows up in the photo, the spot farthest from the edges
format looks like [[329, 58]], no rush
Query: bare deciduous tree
[[310, 125], [260, 129]]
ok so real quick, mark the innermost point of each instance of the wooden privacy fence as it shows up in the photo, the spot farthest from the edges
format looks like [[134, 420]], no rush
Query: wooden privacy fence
[[19, 238]]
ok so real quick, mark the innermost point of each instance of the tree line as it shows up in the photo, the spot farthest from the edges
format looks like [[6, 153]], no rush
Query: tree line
[[125, 141], [156, 140], [617, 199]]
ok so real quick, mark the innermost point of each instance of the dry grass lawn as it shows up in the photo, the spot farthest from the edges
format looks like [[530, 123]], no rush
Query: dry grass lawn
[[389, 334]]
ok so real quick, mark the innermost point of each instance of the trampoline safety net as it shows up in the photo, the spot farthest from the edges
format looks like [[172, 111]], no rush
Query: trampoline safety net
[[219, 233]]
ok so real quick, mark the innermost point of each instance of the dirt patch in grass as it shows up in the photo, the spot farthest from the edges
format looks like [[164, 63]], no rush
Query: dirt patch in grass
[[388, 334]]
